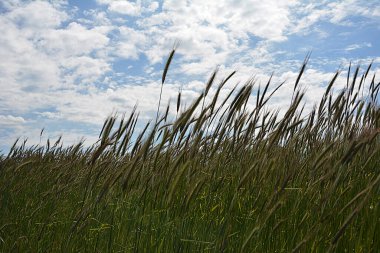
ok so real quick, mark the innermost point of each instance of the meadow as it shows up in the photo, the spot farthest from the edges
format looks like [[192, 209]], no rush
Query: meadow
[[219, 177]]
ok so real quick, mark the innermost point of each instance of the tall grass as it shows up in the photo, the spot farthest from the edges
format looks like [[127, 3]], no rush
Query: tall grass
[[219, 177]]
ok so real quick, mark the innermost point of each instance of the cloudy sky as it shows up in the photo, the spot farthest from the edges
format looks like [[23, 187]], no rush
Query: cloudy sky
[[66, 65]]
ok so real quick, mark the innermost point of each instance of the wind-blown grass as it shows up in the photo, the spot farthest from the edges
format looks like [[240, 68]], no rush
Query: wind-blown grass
[[219, 177]]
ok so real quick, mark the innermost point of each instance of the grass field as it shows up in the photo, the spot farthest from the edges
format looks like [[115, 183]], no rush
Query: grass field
[[218, 178]]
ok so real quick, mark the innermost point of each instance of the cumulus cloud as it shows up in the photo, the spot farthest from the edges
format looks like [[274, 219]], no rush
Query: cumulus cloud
[[130, 43], [85, 68], [211, 32], [37, 15], [42, 58], [74, 39], [152, 7], [125, 7]]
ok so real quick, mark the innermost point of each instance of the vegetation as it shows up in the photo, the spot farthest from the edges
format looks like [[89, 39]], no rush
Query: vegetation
[[219, 177]]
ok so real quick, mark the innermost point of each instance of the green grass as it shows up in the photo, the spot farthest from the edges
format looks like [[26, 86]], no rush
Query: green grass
[[218, 178]]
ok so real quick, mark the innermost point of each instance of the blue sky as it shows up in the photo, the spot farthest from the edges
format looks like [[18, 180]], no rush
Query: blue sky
[[66, 65]]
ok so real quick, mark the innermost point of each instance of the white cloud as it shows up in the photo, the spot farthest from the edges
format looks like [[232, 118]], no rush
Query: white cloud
[[335, 12], [95, 18], [153, 7], [75, 39], [50, 115], [37, 15], [39, 61], [22, 64], [129, 8], [9, 120], [85, 68], [125, 7], [130, 43], [357, 46], [211, 31]]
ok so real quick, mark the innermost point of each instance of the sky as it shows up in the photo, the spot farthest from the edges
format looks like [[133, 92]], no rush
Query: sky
[[67, 65]]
